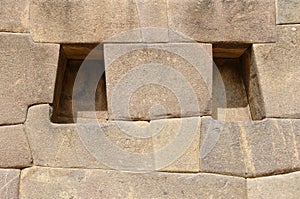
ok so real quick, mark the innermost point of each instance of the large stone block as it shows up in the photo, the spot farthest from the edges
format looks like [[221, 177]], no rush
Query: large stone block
[[168, 145], [288, 11], [95, 21], [275, 187], [152, 81], [249, 148], [247, 21], [14, 150], [79, 183], [9, 183], [28, 72], [14, 16], [278, 70]]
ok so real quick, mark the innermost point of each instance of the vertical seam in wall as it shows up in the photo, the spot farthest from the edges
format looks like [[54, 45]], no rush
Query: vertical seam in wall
[[246, 186], [139, 20], [168, 26], [27, 138]]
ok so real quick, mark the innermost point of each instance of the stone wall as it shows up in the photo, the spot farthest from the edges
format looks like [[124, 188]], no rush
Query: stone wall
[[149, 99]]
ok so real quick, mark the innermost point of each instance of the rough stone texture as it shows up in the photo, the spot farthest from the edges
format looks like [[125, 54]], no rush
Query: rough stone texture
[[28, 73], [288, 11], [95, 21], [116, 145], [278, 70], [14, 150], [154, 26], [9, 183], [275, 187], [73, 183], [151, 81], [247, 21], [210, 21], [14, 16], [249, 148]]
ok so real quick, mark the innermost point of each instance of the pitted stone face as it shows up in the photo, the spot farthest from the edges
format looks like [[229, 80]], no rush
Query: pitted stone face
[[155, 81]]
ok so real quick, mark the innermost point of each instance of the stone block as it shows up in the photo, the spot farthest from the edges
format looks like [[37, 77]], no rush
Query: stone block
[[14, 150], [96, 21], [249, 148], [154, 81], [165, 145], [247, 21], [9, 183], [275, 187], [278, 71], [288, 11], [28, 72], [79, 183], [14, 16]]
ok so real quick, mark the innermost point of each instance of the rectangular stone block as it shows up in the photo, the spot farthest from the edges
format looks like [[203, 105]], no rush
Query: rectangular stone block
[[9, 183], [154, 81], [14, 150], [278, 71], [14, 16], [249, 148], [96, 21], [288, 11], [28, 72], [247, 21], [46, 183], [275, 187], [165, 145]]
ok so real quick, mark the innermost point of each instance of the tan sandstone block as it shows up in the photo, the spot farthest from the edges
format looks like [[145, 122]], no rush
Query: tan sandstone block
[[249, 148], [94, 21], [169, 145], [153, 81], [288, 11], [278, 70], [246, 21], [14, 16], [14, 150], [9, 183], [79, 183], [28, 72], [275, 187]]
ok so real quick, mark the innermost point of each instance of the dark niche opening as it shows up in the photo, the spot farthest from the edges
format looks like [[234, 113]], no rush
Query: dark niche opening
[[239, 84], [71, 58]]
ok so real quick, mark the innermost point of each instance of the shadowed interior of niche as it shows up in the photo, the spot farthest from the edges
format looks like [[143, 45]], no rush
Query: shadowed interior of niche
[[71, 58], [234, 94]]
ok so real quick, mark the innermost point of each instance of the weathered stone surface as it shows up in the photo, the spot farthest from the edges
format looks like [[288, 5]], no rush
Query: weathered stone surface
[[275, 187], [28, 73], [95, 21], [288, 11], [14, 16], [168, 145], [9, 183], [75, 183], [249, 148], [278, 70], [247, 21], [154, 26], [14, 150], [151, 81]]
